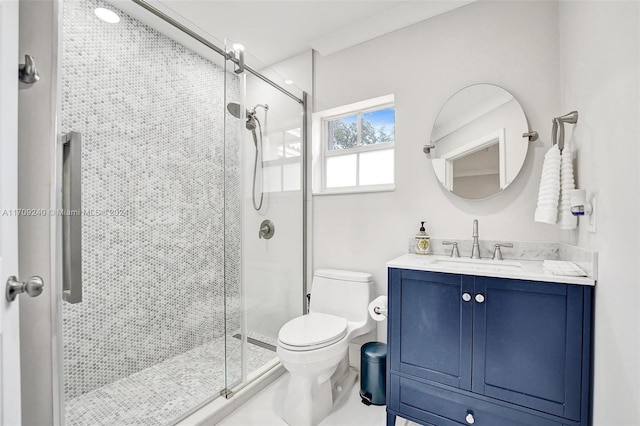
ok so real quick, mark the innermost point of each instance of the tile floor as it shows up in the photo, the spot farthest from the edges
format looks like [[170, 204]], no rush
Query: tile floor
[[265, 409], [161, 394]]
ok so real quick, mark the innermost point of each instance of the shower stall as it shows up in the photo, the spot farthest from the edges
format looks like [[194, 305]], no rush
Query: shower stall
[[174, 153]]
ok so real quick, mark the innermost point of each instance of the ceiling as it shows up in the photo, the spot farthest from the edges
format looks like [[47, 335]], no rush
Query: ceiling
[[273, 30]]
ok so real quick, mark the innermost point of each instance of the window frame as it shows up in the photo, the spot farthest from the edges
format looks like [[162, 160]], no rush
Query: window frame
[[321, 151]]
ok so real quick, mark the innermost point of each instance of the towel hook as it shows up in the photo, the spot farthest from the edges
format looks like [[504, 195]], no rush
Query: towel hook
[[558, 124], [27, 72]]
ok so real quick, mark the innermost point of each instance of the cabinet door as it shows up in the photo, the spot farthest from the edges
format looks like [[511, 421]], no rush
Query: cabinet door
[[528, 344], [430, 326]]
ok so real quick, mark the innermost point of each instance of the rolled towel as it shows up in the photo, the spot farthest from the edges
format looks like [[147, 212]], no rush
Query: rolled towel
[[546, 215], [549, 192], [566, 220]]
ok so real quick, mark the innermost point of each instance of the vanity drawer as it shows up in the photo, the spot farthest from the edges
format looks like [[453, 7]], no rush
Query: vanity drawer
[[442, 407]]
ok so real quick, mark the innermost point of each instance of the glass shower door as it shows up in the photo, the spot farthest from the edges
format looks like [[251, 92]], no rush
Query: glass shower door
[[145, 342], [269, 130], [234, 118]]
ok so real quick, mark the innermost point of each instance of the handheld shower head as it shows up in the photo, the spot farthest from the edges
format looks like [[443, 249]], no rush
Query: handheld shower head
[[253, 125], [251, 122], [234, 109]]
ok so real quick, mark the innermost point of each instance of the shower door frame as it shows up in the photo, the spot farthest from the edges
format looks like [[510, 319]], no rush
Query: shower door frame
[[58, 410]]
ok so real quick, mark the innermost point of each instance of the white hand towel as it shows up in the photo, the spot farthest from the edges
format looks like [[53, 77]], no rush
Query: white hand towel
[[549, 192], [566, 220]]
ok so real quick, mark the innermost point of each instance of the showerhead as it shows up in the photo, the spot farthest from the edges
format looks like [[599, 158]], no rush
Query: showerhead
[[234, 109]]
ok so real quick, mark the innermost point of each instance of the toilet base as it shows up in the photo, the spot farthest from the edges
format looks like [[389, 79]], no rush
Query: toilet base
[[310, 399]]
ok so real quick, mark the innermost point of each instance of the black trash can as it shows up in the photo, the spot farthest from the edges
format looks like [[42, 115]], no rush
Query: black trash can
[[373, 373]]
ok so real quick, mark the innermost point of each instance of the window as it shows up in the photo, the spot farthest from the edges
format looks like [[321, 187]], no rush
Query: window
[[353, 147], [281, 158]]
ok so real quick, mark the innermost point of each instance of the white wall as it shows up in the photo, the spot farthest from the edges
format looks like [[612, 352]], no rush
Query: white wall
[[510, 44], [599, 46], [554, 57]]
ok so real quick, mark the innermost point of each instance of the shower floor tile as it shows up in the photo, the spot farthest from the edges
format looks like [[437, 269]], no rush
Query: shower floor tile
[[163, 393]]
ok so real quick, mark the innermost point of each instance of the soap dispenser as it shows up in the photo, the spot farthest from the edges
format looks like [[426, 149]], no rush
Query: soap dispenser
[[423, 243]]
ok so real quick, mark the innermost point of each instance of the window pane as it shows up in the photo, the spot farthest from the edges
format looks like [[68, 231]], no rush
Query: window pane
[[272, 180], [291, 177], [341, 171], [378, 126], [292, 143], [343, 133], [271, 145], [376, 167]]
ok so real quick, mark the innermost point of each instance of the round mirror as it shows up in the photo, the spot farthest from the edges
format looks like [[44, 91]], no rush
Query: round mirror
[[477, 143]]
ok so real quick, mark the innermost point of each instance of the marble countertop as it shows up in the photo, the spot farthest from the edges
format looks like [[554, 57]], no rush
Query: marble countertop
[[518, 269]]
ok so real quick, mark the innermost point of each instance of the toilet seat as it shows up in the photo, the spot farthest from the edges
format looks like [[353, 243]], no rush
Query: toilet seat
[[313, 331]]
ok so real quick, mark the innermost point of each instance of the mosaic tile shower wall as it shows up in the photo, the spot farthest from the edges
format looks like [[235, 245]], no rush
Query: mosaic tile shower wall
[[151, 114]]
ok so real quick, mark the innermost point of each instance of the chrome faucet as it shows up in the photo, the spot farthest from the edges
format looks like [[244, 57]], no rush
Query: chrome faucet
[[475, 251]]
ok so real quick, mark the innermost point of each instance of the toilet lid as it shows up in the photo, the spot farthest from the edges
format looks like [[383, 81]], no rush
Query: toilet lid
[[313, 331]]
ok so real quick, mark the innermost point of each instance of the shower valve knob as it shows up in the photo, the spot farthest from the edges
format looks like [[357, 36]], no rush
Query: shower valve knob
[[267, 229]]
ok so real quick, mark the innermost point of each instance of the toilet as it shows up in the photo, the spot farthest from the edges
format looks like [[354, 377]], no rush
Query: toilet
[[314, 348]]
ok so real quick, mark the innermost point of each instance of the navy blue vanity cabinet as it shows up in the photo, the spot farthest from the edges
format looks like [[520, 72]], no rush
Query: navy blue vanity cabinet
[[487, 351]]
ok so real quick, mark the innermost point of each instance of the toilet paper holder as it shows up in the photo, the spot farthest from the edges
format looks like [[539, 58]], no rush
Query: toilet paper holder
[[380, 311], [378, 308]]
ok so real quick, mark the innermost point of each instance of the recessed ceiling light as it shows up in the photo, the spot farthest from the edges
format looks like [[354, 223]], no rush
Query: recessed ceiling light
[[288, 82], [107, 15], [238, 46]]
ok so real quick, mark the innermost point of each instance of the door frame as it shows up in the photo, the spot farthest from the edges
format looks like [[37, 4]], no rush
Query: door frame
[[10, 390], [38, 112]]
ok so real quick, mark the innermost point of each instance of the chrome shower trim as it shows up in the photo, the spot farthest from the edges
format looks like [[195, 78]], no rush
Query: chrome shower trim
[[263, 106], [267, 229], [305, 210]]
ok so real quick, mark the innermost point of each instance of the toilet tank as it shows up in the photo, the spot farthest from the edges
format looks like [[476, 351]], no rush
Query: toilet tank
[[346, 294]]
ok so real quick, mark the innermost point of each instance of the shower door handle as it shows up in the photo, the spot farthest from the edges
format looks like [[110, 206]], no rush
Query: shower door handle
[[72, 217]]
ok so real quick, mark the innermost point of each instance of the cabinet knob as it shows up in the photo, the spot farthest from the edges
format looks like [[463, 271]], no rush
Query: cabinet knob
[[466, 297], [470, 419], [479, 298]]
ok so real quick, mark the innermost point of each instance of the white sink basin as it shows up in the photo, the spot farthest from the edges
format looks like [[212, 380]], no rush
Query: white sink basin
[[478, 264]]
